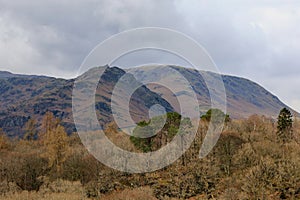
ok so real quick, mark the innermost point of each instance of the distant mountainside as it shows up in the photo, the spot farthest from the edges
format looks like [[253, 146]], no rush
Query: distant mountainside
[[25, 97], [28, 96], [6, 74], [244, 97]]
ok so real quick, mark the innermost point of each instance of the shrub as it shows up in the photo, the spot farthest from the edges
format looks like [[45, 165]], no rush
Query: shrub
[[25, 170]]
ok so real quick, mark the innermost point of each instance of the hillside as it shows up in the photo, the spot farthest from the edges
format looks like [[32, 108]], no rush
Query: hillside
[[27, 96], [244, 97]]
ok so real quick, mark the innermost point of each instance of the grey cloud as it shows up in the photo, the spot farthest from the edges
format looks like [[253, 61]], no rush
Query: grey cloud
[[254, 39], [63, 32]]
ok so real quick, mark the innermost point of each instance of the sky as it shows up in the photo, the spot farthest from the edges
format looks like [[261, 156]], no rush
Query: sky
[[257, 39]]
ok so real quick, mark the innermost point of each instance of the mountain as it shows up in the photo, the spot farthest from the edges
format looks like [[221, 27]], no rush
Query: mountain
[[28, 96], [25, 97], [6, 74], [244, 97]]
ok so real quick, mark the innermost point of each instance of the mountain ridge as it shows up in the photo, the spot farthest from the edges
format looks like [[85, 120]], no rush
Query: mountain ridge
[[31, 96]]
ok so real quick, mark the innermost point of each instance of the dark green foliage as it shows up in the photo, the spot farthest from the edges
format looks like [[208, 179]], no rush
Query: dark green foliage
[[138, 139], [285, 125], [152, 129], [217, 114], [143, 144]]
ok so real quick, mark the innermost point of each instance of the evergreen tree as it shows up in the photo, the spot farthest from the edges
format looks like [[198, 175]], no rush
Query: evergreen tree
[[285, 125], [217, 113]]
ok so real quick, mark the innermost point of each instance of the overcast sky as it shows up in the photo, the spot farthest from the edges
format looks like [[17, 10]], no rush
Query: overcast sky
[[258, 40]]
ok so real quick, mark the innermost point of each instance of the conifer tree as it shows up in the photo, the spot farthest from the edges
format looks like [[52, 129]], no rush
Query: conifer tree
[[285, 125]]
